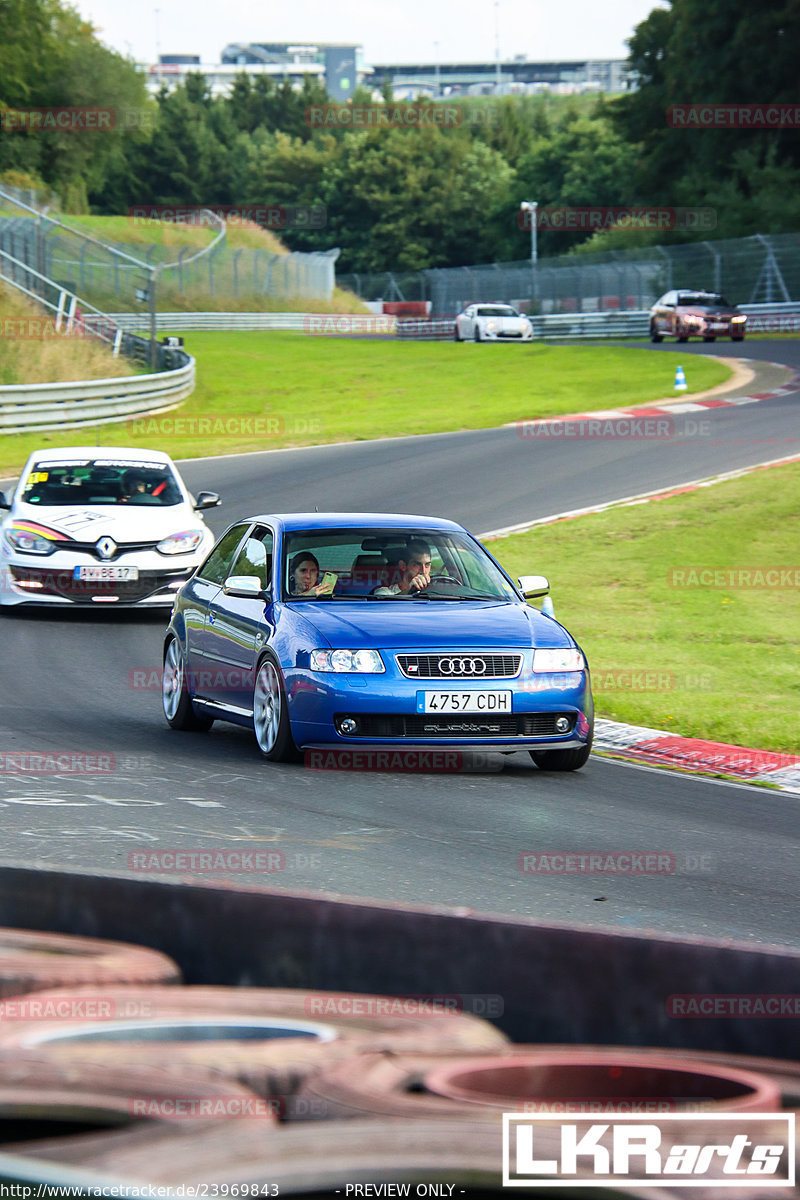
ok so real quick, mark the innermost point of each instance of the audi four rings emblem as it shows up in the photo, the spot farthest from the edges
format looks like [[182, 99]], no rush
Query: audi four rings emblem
[[462, 666]]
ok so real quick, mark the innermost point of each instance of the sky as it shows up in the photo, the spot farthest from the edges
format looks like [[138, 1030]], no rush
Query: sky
[[389, 30]]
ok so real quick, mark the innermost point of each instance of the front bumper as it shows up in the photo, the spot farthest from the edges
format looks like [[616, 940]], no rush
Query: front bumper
[[385, 709], [50, 581]]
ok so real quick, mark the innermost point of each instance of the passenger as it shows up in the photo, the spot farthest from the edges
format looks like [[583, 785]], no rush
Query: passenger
[[415, 570], [303, 576]]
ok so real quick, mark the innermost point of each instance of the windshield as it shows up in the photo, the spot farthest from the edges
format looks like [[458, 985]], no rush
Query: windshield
[[497, 310], [704, 299], [101, 481], [388, 565]]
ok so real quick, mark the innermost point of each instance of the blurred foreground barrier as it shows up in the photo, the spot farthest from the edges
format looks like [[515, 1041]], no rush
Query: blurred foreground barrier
[[546, 983]]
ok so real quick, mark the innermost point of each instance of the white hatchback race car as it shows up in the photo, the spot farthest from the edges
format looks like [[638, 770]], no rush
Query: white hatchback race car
[[492, 323], [100, 525]]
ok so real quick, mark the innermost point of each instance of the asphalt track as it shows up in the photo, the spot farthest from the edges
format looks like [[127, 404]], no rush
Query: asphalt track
[[70, 683]]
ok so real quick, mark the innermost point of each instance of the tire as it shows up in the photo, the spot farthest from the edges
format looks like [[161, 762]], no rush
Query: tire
[[242, 1034], [479, 1088], [738, 339], [563, 760], [456, 335], [709, 339], [242, 1158], [37, 1095], [477, 334], [34, 962], [271, 725], [175, 701], [681, 336], [655, 336]]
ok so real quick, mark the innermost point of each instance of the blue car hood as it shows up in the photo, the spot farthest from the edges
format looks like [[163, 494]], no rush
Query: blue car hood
[[422, 623]]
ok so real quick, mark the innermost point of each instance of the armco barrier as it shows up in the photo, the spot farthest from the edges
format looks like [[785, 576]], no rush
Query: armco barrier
[[614, 323], [187, 322], [41, 406]]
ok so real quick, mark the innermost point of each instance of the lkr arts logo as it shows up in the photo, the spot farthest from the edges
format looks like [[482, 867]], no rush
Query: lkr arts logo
[[721, 1150]]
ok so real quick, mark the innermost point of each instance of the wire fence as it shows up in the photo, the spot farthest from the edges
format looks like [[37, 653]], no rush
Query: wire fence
[[209, 273], [763, 269]]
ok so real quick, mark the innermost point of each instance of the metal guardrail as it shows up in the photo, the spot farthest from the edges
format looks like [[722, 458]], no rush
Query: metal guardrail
[[37, 407], [611, 324], [244, 322]]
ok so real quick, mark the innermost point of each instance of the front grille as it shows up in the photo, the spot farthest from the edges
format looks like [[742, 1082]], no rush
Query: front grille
[[427, 666], [466, 725], [122, 548]]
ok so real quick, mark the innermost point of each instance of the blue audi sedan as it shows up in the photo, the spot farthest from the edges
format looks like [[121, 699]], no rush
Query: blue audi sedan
[[339, 630]]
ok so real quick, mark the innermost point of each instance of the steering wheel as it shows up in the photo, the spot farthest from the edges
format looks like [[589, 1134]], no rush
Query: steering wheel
[[442, 577]]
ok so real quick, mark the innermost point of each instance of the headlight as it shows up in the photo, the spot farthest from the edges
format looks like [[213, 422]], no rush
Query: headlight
[[365, 662], [740, 320], [491, 324], [29, 541], [181, 543], [558, 660], [694, 319]]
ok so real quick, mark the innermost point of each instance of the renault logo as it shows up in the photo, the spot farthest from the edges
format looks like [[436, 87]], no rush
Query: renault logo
[[462, 666], [106, 547]]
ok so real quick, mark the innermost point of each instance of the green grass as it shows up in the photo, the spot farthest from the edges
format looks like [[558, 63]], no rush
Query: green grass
[[728, 657], [309, 390]]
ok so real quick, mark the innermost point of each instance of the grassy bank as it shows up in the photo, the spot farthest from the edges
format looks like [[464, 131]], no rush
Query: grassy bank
[[672, 588], [32, 352], [306, 390]]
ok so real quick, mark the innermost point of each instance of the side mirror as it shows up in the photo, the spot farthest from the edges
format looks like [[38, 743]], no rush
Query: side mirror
[[3, 502], [533, 585], [206, 500], [245, 586]]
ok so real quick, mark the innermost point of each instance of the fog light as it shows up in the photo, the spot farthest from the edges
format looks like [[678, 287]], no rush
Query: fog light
[[562, 724], [348, 725]]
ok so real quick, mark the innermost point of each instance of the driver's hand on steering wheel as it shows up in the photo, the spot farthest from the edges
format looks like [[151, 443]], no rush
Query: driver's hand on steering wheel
[[419, 582]]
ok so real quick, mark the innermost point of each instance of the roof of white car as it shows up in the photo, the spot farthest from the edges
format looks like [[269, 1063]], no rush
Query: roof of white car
[[116, 453]]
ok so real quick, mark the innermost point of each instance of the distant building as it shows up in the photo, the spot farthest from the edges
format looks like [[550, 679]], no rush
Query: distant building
[[504, 78], [340, 66]]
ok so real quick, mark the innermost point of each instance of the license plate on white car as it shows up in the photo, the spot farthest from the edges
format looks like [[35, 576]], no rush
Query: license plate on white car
[[459, 702], [106, 574]]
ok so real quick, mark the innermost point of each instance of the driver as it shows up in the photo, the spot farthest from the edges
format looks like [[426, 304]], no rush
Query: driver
[[133, 484], [414, 569]]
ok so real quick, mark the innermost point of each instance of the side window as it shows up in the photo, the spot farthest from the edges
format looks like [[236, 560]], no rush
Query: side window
[[255, 556], [215, 568]]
